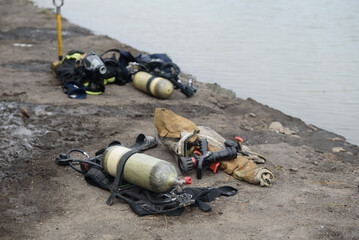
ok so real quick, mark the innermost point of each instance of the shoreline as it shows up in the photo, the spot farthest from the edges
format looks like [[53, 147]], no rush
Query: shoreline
[[307, 104], [312, 179]]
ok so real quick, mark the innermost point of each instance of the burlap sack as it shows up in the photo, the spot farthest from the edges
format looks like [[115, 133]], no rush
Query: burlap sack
[[244, 169], [175, 132], [170, 125]]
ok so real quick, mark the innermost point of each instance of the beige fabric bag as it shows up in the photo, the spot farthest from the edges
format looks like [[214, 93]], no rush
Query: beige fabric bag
[[177, 132]]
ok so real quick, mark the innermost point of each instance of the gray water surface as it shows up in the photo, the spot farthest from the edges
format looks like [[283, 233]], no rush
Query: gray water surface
[[299, 56]]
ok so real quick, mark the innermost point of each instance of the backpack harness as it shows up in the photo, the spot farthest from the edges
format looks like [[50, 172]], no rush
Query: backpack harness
[[141, 201], [78, 81]]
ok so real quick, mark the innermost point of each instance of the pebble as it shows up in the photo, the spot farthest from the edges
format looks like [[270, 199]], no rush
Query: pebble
[[22, 45], [338, 149], [294, 169], [276, 127], [336, 139], [313, 128]]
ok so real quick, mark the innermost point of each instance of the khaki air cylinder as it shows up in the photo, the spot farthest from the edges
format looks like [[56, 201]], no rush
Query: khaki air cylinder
[[140, 169], [152, 85]]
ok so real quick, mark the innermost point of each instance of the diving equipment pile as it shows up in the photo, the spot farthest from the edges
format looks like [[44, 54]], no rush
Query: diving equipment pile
[[87, 73], [202, 148], [151, 185], [160, 67], [148, 184]]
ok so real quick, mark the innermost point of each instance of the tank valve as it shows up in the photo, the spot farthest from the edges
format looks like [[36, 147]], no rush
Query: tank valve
[[179, 183]]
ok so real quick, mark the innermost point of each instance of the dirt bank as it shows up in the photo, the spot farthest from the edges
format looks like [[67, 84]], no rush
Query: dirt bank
[[315, 195]]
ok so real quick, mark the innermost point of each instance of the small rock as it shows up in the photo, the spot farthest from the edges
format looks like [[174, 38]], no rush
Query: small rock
[[288, 131], [251, 115], [221, 106], [24, 113], [338, 149], [294, 169], [22, 45], [213, 100], [313, 128], [336, 139], [276, 127], [316, 163]]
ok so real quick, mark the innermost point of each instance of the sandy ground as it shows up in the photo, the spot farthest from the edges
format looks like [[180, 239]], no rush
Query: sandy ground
[[315, 195]]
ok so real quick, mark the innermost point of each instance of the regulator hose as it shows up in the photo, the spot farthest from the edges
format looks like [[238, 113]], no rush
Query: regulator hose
[[65, 159]]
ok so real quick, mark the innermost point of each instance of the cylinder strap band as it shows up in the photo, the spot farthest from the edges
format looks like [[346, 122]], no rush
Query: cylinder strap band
[[148, 85], [119, 175], [120, 168]]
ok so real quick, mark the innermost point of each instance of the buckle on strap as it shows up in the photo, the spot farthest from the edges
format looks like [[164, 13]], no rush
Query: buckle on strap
[[185, 199]]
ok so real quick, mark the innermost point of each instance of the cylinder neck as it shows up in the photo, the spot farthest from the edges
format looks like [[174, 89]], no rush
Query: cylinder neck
[[179, 183]]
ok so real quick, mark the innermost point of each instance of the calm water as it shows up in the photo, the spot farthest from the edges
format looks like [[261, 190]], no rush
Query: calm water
[[299, 56]]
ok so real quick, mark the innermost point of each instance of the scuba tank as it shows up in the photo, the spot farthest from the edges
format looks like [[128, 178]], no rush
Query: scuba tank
[[155, 179], [152, 85], [140, 169]]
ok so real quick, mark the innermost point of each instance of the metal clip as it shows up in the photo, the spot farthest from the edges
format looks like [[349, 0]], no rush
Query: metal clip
[[185, 199], [58, 5]]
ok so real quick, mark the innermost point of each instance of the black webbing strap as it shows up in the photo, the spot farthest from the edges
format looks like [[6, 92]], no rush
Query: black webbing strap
[[119, 174], [143, 202], [202, 195], [148, 85], [110, 50]]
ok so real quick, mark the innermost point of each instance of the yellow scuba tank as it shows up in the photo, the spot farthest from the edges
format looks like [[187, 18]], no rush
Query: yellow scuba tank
[[152, 85], [140, 169]]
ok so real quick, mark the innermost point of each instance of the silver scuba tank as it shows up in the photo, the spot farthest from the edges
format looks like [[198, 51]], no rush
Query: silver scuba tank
[[152, 85], [142, 170]]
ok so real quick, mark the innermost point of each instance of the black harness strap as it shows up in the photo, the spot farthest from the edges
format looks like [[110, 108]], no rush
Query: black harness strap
[[143, 202], [119, 175], [120, 168], [202, 195], [123, 61]]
